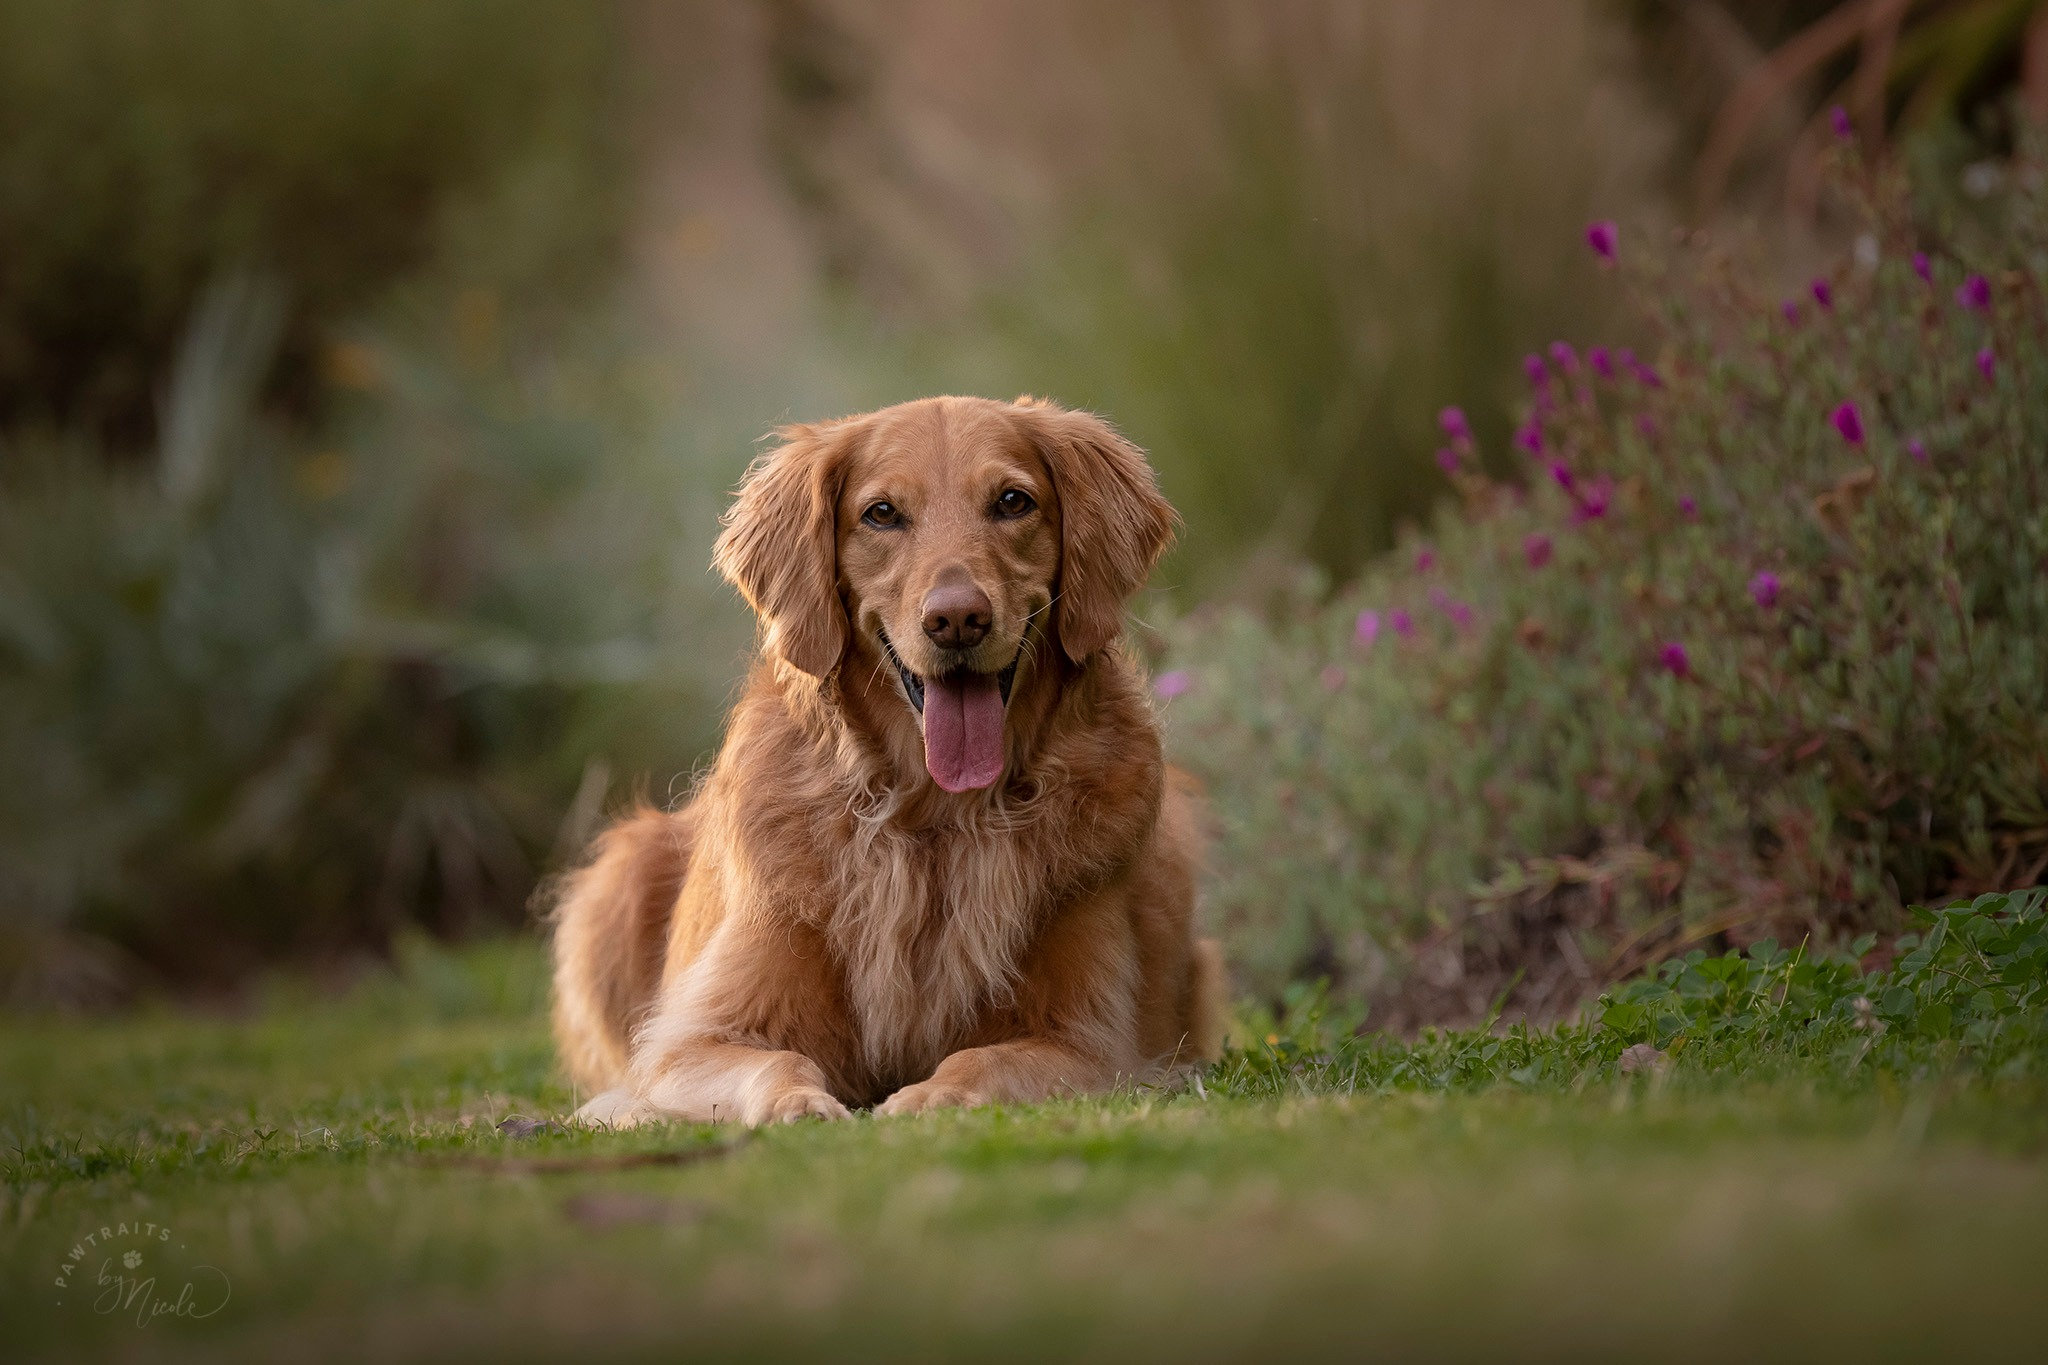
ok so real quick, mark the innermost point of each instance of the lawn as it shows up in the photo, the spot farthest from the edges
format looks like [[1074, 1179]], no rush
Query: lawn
[[331, 1160]]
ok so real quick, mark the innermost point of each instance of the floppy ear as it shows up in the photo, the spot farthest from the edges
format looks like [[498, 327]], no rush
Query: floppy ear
[[1114, 524], [780, 546]]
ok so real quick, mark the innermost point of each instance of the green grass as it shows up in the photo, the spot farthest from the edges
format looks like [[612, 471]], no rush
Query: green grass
[[336, 1157]]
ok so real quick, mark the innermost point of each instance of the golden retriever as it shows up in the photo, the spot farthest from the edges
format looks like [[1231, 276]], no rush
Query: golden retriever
[[939, 860]]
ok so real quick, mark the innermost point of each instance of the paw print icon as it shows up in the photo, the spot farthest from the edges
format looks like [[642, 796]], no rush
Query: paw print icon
[[132, 1259]]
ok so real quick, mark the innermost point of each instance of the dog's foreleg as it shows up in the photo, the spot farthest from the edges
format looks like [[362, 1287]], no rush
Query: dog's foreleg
[[712, 1082], [720, 1083], [1076, 1001], [721, 1045], [1020, 1072]]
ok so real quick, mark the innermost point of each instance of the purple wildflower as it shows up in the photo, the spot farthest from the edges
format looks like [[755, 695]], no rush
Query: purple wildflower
[[1987, 363], [1447, 460], [1975, 294], [1674, 659], [1595, 497], [1538, 372], [1402, 622], [1602, 363], [1838, 118], [1647, 425], [1460, 614], [1536, 549], [1645, 373], [1562, 472], [1425, 559], [1564, 357], [1823, 294], [1689, 508], [1764, 588], [1849, 422], [1923, 267], [1171, 685], [1917, 448], [1529, 436], [1368, 627], [1602, 237], [1790, 308], [1452, 420]]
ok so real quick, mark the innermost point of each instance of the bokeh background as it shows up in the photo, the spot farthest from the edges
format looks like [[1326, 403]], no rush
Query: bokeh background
[[372, 375]]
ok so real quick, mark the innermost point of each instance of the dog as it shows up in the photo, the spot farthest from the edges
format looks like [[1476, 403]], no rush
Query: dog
[[940, 860]]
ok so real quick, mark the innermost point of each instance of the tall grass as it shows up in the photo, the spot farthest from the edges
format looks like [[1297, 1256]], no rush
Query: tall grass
[[353, 521], [1268, 241], [146, 149], [275, 692]]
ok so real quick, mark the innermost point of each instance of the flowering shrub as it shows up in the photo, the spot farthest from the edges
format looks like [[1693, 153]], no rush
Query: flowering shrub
[[1757, 646]]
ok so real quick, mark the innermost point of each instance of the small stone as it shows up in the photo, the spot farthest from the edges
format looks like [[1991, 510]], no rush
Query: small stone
[[519, 1126], [1643, 1057]]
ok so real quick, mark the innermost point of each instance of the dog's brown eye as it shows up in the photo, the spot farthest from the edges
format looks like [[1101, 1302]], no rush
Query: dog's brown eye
[[882, 514], [1014, 503]]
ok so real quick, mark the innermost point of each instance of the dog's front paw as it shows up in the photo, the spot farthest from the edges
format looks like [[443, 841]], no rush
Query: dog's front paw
[[615, 1109], [928, 1095], [792, 1104]]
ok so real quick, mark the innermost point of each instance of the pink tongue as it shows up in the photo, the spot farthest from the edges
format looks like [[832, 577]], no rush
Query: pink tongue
[[963, 731]]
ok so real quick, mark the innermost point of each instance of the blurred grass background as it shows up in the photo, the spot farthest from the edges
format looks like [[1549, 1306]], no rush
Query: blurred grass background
[[371, 376]]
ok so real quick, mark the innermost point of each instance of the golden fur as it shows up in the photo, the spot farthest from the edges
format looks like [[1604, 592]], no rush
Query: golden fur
[[823, 925]]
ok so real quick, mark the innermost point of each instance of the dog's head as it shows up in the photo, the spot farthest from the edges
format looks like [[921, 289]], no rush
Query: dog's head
[[951, 540]]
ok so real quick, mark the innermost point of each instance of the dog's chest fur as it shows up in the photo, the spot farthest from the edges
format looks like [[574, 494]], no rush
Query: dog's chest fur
[[932, 928]]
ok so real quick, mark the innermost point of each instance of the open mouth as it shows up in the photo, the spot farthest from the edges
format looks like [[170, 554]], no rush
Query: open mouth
[[961, 713], [913, 683]]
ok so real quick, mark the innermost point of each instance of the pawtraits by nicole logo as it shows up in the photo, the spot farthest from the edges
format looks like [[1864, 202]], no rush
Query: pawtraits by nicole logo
[[138, 1270]]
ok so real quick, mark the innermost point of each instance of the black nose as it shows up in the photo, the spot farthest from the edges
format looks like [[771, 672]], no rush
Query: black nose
[[956, 616]]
